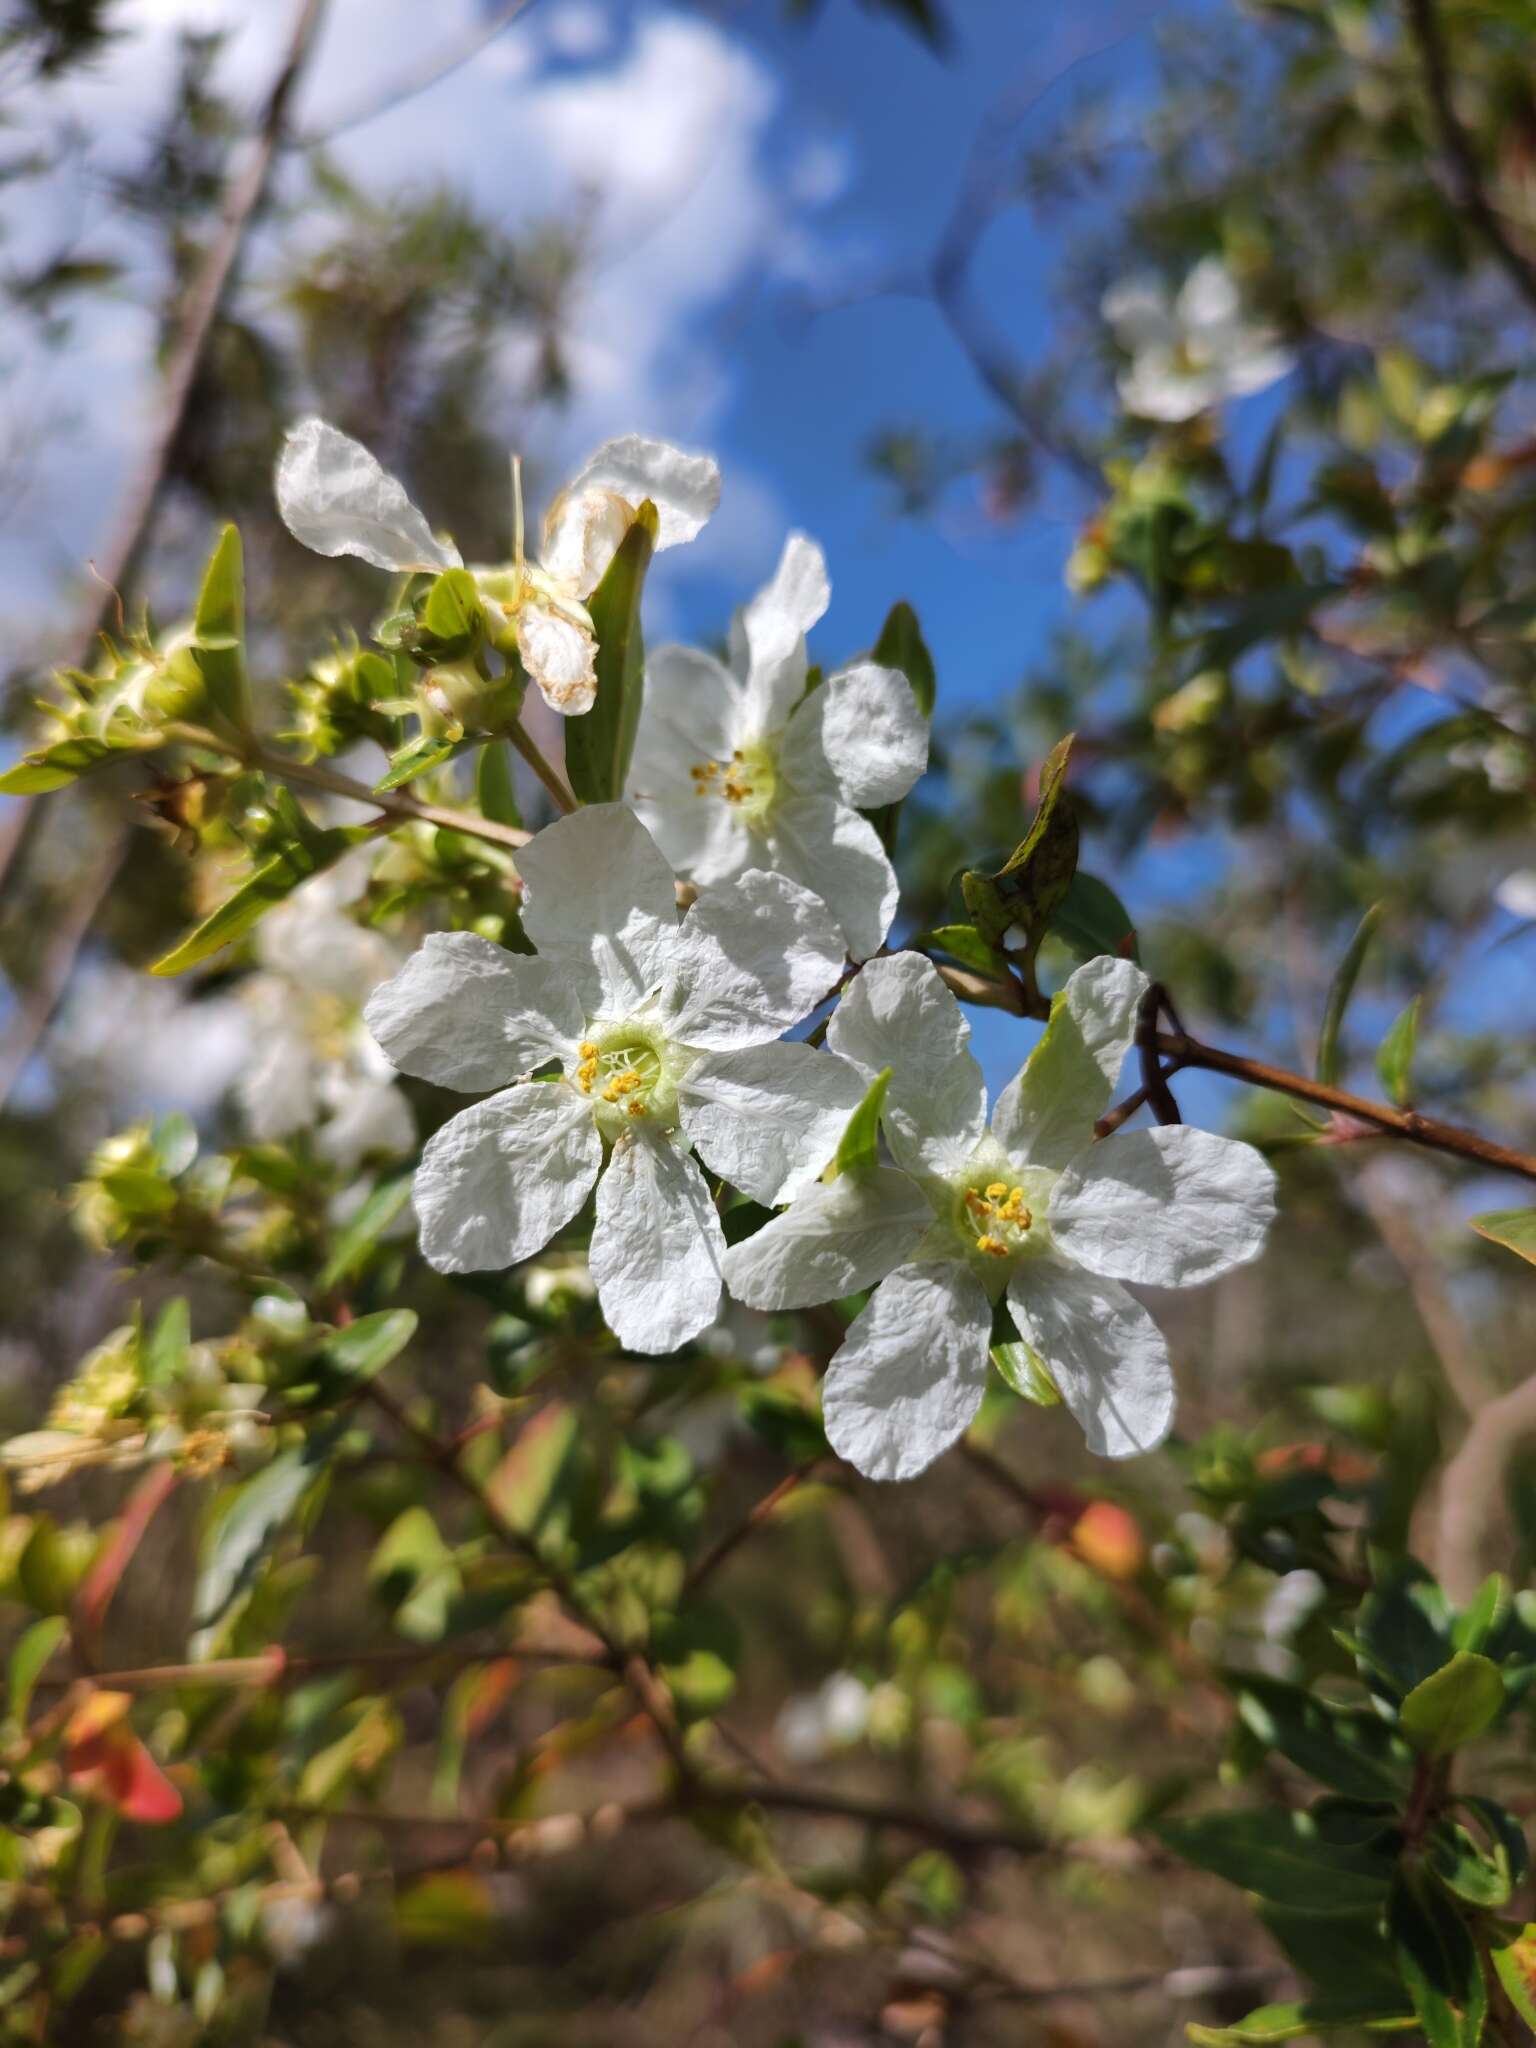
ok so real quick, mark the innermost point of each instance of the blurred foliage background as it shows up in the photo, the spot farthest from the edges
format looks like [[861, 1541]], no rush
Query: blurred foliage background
[[1300, 667]]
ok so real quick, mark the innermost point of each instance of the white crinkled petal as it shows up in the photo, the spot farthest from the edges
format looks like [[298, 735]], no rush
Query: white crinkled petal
[[910, 1376], [1045, 1115], [560, 655], [773, 629], [581, 537], [768, 1118], [470, 1015], [691, 716], [656, 1245], [704, 838], [500, 1178], [897, 1013], [685, 489], [1171, 1207], [366, 1116], [837, 855], [873, 735], [754, 956], [833, 1239], [600, 903], [337, 499], [1103, 1350]]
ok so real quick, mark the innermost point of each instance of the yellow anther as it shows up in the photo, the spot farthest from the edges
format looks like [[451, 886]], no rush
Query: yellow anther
[[994, 1246], [996, 1190], [587, 1049], [635, 1108], [1015, 1194]]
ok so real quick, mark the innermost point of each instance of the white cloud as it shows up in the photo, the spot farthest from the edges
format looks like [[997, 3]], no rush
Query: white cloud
[[668, 128]]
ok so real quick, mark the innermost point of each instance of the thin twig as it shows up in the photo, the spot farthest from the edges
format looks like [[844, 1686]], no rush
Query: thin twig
[[533, 754], [396, 803], [1427, 31], [710, 1561]]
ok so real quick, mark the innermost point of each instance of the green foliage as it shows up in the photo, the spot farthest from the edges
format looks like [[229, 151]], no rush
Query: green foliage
[[599, 744]]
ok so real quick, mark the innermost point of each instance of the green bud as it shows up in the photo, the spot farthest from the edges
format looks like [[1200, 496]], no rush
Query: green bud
[[469, 701]]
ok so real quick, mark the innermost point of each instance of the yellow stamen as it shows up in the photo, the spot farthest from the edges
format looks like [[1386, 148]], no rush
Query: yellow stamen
[[996, 1190], [992, 1245]]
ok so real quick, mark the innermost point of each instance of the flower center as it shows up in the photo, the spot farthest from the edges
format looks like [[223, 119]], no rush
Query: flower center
[[623, 1074], [748, 781], [995, 1217]]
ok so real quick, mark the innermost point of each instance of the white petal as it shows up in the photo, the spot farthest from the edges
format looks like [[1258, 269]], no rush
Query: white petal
[[703, 837], [470, 1015], [1256, 363], [1045, 1115], [601, 904], [582, 534], [838, 856], [1170, 1207], [774, 626], [768, 1118], [366, 1116], [1104, 1352], [656, 1245], [872, 734], [685, 489], [690, 716], [1208, 297], [279, 1092], [897, 1013], [1138, 310], [500, 1178], [1156, 388], [560, 655], [834, 1239], [753, 957], [335, 498], [910, 1376]]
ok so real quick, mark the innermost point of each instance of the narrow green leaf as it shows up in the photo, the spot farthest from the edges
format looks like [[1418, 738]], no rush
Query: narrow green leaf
[[1394, 1056], [1439, 1962], [1485, 1612], [495, 791], [1455, 1705], [1463, 1868], [524, 1484], [1515, 1962], [1025, 1371], [599, 744], [416, 1575], [54, 766], [1091, 919], [274, 880], [165, 1348], [365, 1347], [1515, 1229], [29, 1658], [1280, 1856], [427, 750], [218, 646], [1032, 882], [859, 1147], [964, 943], [241, 1537], [363, 1230], [901, 645], [1296, 2018], [1349, 1749], [1339, 992], [1398, 1638]]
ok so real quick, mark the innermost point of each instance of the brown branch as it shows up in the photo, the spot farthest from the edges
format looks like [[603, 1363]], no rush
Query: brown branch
[[1428, 34], [533, 754], [276, 1667], [395, 803], [1397, 1123], [710, 1561], [1471, 1489]]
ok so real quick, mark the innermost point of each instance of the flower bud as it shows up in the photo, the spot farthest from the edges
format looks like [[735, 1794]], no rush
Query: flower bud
[[468, 701]]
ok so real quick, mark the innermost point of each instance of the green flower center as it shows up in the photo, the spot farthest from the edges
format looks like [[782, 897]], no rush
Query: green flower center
[[748, 781], [995, 1218], [623, 1072]]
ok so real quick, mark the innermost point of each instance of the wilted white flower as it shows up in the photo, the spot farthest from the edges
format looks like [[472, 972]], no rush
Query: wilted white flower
[[738, 768], [1031, 1208], [337, 499], [314, 1065], [663, 1033], [1191, 350]]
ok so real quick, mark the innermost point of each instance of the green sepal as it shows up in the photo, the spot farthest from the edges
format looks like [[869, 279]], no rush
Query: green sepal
[[599, 744]]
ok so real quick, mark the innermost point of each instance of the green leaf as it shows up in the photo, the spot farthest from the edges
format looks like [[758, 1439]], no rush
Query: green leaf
[[29, 1658], [1346, 1748], [599, 744], [901, 645], [1394, 1056], [1487, 1611], [859, 1147], [696, 1653], [1032, 882], [366, 1346], [1282, 1857], [1439, 1962], [50, 1568], [1503, 1831], [495, 791], [54, 766], [218, 645], [164, 1352], [1292, 2020], [1455, 1705], [1339, 992], [1463, 1868], [964, 943], [427, 750], [415, 1573], [241, 1537], [274, 880], [1091, 919], [363, 1230], [449, 1909], [523, 1486], [1398, 1638], [1515, 1963], [452, 612], [1515, 1229], [1026, 1372]]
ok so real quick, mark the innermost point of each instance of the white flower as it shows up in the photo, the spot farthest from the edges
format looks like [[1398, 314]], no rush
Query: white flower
[[1191, 351], [737, 768], [335, 498], [314, 1064], [1517, 893], [663, 1033], [833, 1717], [1031, 1208]]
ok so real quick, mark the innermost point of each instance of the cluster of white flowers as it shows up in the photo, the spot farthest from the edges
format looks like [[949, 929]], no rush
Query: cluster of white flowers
[[639, 1048]]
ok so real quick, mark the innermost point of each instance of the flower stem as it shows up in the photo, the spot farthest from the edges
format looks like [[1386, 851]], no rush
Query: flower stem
[[533, 754]]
